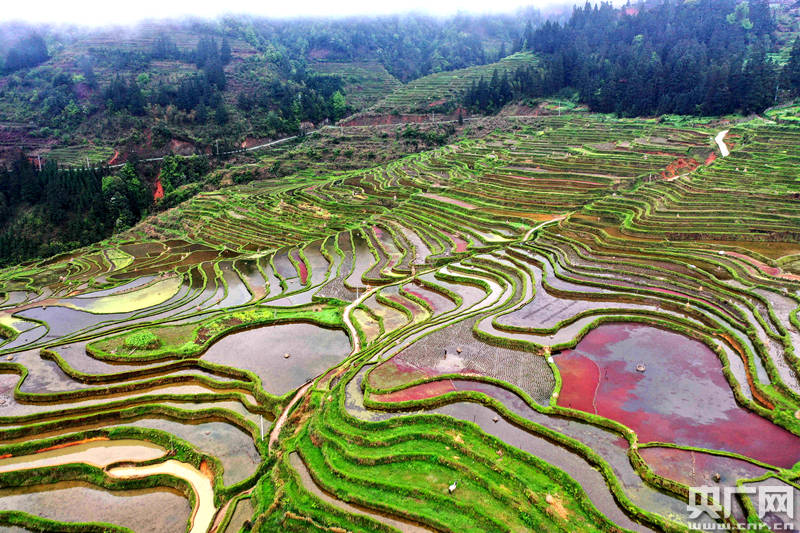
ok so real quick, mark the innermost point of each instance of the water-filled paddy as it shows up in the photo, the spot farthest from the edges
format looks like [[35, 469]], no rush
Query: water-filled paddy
[[81, 502], [312, 350], [454, 350], [698, 469], [681, 397], [242, 513], [233, 447]]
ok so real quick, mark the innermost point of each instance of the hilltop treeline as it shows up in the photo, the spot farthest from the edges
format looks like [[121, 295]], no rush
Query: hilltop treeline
[[408, 46], [224, 79], [705, 57]]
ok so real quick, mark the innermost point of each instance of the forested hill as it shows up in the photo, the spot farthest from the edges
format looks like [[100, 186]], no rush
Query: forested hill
[[704, 57], [158, 85]]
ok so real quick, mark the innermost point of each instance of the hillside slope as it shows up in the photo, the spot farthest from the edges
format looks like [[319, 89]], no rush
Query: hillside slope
[[73, 93], [443, 90]]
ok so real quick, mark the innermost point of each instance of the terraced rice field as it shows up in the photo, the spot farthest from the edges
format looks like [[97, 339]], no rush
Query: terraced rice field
[[446, 87], [364, 83], [570, 321]]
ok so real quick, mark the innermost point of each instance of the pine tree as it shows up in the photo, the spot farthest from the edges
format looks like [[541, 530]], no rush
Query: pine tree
[[527, 37], [225, 51], [502, 53], [791, 72]]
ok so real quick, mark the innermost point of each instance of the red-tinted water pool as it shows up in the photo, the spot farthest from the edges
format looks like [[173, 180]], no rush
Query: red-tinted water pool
[[681, 397]]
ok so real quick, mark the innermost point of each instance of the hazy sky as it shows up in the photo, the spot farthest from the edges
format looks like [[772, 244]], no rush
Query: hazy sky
[[93, 12]]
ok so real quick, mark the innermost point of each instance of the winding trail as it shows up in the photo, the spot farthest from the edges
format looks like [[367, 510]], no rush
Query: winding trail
[[204, 509], [530, 232], [276, 429], [723, 148], [223, 511]]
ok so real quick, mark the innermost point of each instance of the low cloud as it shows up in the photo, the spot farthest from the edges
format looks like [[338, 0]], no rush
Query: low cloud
[[110, 13]]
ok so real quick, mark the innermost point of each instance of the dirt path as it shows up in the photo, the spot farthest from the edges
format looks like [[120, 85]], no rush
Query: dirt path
[[723, 148], [528, 235], [204, 510], [224, 511], [273, 435], [348, 321]]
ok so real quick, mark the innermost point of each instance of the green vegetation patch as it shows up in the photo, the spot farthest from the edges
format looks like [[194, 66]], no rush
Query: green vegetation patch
[[191, 340]]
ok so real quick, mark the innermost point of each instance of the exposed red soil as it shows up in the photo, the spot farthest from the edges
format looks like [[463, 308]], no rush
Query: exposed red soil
[[177, 146], [679, 166], [711, 158], [68, 444], [417, 392], [518, 110], [249, 142], [159, 192], [461, 244], [301, 266], [115, 158]]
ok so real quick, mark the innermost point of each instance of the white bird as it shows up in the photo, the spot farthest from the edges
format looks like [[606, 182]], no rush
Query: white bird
[[452, 487]]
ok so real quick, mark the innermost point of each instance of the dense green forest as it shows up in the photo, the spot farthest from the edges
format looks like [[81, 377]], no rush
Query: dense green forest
[[52, 210], [706, 57]]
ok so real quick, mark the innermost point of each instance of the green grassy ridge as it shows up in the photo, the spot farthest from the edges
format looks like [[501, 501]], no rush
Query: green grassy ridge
[[294, 498], [38, 524], [215, 329], [398, 424], [427, 443], [583, 450]]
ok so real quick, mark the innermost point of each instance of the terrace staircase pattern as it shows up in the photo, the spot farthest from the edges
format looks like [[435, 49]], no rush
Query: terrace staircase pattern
[[466, 279]]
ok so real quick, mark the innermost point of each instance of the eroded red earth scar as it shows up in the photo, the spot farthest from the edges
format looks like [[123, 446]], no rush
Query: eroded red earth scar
[[159, 192]]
